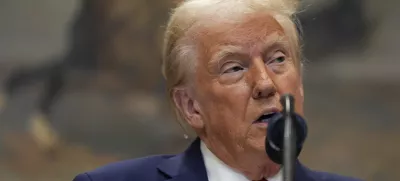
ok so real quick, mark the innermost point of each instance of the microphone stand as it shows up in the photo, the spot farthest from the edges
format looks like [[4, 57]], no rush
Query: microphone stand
[[289, 141]]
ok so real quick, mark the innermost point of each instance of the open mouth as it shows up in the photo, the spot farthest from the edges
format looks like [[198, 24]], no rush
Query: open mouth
[[265, 118]]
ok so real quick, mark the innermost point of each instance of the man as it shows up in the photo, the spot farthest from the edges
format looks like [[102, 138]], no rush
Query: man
[[226, 63]]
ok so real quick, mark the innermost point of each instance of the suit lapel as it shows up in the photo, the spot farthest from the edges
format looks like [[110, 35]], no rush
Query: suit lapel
[[186, 166], [302, 173]]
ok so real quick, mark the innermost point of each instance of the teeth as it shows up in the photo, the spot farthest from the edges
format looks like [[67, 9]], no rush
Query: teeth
[[269, 114]]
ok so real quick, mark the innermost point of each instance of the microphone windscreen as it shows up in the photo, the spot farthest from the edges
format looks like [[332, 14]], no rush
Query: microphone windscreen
[[275, 136]]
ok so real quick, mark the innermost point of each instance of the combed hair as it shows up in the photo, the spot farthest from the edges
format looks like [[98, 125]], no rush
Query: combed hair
[[179, 52]]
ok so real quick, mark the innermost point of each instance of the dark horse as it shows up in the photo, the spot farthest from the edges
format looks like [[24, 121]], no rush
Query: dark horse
[[84, 41]]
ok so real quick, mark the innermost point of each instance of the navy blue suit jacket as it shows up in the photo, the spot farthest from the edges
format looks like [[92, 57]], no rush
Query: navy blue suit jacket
[[187, 166]]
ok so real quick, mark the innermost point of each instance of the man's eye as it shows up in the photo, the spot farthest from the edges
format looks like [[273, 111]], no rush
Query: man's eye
[[233, 69], [280, 59]]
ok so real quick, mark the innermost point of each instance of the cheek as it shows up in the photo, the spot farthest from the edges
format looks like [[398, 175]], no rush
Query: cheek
[[290, 82], [226, 107], [233, 97]]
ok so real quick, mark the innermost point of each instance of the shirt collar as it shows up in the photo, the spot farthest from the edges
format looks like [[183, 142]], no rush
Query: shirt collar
[[218, 170]]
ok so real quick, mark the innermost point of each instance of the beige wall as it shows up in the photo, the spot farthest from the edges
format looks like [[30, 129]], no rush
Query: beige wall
[[31, 31]]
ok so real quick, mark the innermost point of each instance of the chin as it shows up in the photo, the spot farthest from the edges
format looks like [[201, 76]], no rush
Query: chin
[[257, 143]]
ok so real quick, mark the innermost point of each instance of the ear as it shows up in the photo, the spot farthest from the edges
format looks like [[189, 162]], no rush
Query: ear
[[188, 107]]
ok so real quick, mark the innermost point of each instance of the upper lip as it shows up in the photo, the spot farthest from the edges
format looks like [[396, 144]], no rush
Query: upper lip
[[266, 112]]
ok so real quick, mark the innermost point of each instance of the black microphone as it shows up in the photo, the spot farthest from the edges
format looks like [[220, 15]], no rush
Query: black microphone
[[274, 142]]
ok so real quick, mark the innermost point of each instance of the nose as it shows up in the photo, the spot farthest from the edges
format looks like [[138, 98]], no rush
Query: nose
[[264, 86]]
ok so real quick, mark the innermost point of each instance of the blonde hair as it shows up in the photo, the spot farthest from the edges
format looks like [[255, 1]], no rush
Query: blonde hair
[[179, 52]]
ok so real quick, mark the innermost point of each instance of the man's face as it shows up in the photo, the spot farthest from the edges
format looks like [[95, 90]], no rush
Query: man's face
[[242, 71]]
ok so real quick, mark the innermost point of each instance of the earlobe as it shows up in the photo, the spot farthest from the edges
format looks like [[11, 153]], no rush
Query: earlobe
[[302, 91], [188, 108]]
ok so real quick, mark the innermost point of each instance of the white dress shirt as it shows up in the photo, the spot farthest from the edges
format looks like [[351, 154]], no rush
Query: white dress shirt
[[219, 171]]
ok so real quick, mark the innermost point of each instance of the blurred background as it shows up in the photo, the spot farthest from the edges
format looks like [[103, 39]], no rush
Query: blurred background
[[81, 86]]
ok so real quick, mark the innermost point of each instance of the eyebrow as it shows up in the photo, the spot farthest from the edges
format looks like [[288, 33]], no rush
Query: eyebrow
[[268, 43], [226, 51]]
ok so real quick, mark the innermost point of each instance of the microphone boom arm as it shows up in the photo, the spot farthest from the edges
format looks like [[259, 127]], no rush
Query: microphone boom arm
[[289, 141]]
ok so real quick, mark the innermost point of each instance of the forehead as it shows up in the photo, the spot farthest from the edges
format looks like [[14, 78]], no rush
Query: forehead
[[248, 32]]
